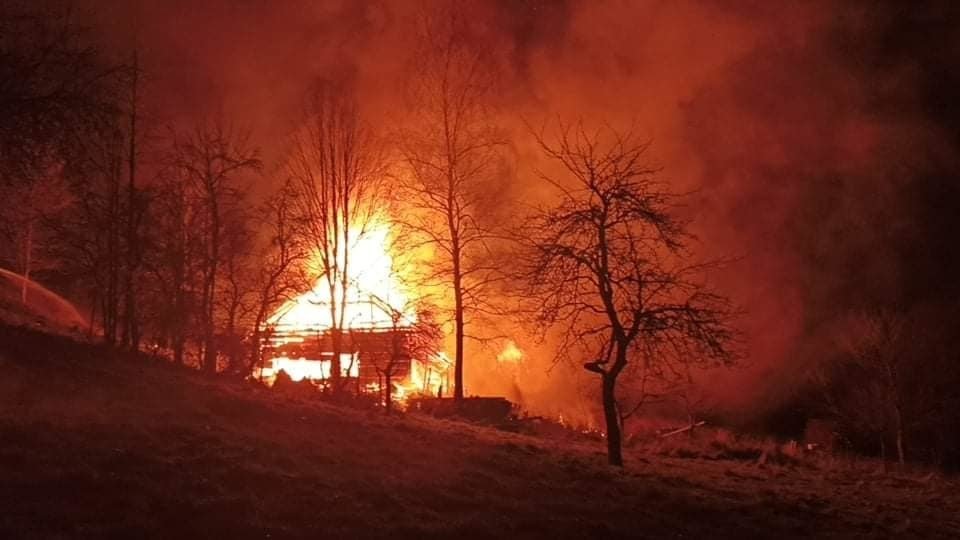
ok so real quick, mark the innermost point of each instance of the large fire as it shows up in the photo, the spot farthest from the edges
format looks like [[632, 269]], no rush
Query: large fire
[[376, 305], [374, 296]]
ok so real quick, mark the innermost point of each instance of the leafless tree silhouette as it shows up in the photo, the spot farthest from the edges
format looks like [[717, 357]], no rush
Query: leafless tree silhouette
[[453, 153], [336, 165], [610, 263]]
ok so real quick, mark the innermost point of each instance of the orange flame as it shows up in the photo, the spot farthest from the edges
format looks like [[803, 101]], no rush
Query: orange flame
[[374, 295]]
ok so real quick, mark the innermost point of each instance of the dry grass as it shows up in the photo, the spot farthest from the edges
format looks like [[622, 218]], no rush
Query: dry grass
[[100, 445]]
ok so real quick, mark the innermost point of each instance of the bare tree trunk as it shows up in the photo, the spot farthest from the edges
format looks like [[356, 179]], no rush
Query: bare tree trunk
[[458, 391], [893, 395], [388, 389], [179, 264], [256, 338], [395, 351], [336, 344], [210, 288], [456, 254], [179, 308], [612, 417], [898, 427], [131, 335], [93, 318], [178, 346], [112, 298], [883, 451], [105, 318], [234, 360], [335, 329], [27, 262]]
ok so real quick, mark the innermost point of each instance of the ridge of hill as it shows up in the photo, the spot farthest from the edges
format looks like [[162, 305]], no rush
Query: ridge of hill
[[101, 444]]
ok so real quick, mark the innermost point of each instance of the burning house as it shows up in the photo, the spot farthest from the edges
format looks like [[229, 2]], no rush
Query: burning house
[[302, 346], [380, 334]]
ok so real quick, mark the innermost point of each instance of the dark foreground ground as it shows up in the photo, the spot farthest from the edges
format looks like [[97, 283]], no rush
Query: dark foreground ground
[[96, 445]]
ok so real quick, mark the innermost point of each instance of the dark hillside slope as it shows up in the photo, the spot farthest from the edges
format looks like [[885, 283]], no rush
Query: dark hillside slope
[[97, 444]]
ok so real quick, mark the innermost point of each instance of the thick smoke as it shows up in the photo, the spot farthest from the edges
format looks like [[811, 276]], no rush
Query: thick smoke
[[799, 130]]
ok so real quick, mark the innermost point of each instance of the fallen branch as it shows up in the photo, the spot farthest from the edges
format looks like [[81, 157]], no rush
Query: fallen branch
[[683, 429]]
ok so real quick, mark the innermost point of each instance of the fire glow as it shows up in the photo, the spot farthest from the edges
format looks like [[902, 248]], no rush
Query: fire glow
[[511, 354], [374, 295]]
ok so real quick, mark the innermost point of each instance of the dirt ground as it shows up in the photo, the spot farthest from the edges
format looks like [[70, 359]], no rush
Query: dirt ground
[[97, 445]]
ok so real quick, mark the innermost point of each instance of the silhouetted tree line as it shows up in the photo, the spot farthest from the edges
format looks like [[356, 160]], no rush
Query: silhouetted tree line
[[152, 226]]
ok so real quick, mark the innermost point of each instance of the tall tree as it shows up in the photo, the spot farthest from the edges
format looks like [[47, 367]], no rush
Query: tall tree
[[210, 160], [173, 260], [134, 210], [237, 276], [336, 165], [88, 234], [609, 263], [281, 271], [891, 378], [452, 152]]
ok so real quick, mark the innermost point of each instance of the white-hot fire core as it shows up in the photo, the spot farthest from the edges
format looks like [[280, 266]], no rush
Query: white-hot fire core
[[318, 370], [373, 294]]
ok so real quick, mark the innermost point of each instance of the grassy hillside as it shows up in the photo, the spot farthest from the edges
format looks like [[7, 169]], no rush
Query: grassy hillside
[[95, 444]]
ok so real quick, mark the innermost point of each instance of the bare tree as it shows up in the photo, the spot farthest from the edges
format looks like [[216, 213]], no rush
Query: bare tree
[[87, 235], [133, 215], [238, 276], [415, 334], [209, 161], [281, 263], [336, 165], [609, 263], [28, 206], [97, 235], [453, 155], [885, 353], [173, 260]]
